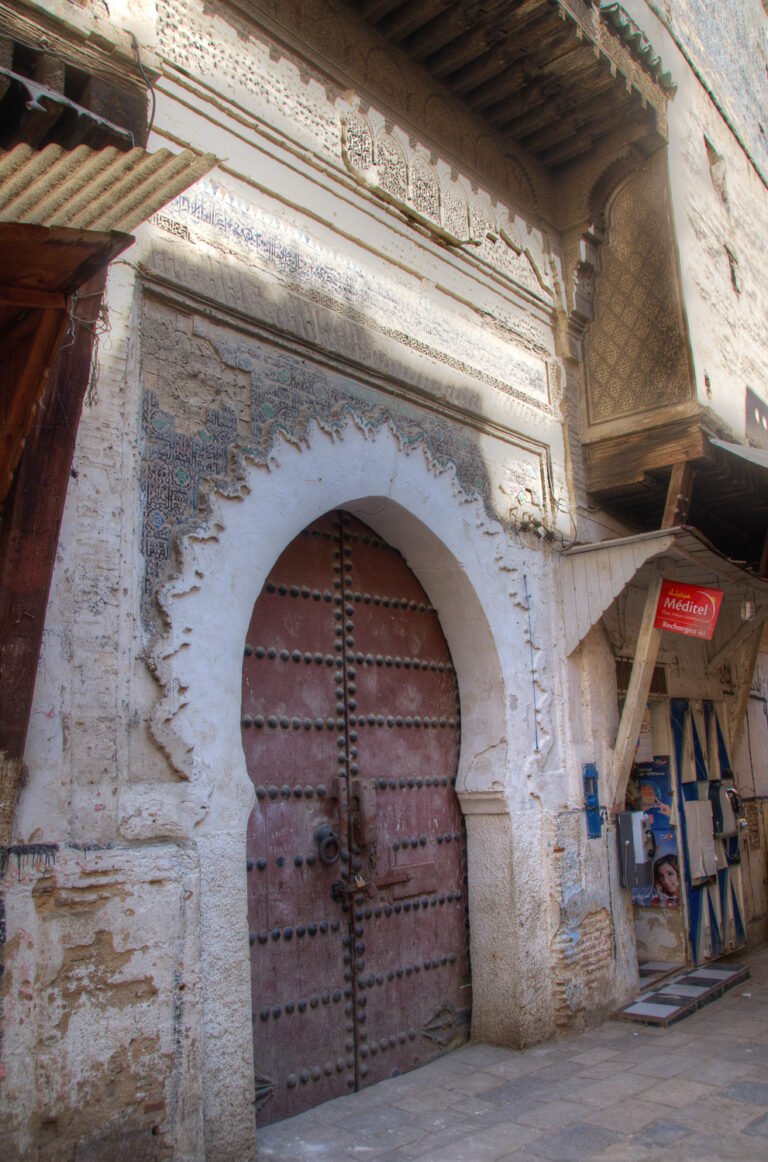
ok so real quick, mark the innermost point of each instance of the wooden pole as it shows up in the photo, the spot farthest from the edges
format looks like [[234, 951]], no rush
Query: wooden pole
[[679, 495], [647, 650]]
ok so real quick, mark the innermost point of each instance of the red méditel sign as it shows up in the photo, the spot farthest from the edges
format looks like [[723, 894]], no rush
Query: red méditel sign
[[688, 609]]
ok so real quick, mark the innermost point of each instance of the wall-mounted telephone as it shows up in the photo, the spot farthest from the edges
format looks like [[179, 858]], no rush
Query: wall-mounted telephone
[[637, 847], [727, 811]]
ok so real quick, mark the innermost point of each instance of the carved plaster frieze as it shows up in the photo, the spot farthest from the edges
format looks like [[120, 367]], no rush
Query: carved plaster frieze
[[263, 53], [204, 544], [507, 352], [429, 193], [290, 398]]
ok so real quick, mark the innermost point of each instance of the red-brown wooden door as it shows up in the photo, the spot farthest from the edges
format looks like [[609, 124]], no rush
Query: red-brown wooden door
[[355, 848]]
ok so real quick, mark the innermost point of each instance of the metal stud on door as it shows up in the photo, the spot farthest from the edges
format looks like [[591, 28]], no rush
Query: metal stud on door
[[355, 848]]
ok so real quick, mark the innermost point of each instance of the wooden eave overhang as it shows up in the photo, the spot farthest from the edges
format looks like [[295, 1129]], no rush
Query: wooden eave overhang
[[628, 473], [64, 215], [552, 77], [42, 267]]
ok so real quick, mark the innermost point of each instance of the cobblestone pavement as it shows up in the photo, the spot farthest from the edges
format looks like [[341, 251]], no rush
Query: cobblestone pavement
[[620, 1092]]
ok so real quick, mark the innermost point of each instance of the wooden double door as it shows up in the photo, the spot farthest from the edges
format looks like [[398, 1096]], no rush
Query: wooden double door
[[356, 853]]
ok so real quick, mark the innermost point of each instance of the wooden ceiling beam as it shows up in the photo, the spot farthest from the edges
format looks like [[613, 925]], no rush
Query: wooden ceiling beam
[[592, 118], [522, 62], [529, 81], [545, 74], [457, 23], [409, 16], [632, 130], [542, 109], [518, 111], [587, 129], [546, 87], [499, 55], [485, 67], [583, 68], [461, 39], [375, 10]]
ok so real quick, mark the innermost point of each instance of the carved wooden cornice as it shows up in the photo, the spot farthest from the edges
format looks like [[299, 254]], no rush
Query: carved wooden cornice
[[553, 77]]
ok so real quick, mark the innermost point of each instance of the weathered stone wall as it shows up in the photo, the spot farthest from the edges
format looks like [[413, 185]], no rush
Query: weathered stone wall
[[728, 50], [284, 341], [751, 766], [718, 174], [100, 1002], [269, 358]]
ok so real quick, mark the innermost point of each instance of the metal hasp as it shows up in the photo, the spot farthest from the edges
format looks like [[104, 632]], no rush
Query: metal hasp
[[355, 849], [592, 801]]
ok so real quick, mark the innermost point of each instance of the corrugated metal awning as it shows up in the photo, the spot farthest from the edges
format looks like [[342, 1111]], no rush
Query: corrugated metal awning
[[88, 189], [593, 576]]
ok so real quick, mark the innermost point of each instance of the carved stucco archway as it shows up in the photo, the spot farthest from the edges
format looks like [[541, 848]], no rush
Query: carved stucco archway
[[464, 562]]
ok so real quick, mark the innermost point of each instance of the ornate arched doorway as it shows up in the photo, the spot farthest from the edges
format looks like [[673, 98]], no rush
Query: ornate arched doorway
[[355, 849]]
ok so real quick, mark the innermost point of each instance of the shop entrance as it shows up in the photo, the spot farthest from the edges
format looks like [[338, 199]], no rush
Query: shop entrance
[[356, 848], [690, 908]]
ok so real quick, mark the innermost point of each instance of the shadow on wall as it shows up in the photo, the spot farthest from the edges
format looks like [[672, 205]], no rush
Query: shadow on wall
[[223, 390]]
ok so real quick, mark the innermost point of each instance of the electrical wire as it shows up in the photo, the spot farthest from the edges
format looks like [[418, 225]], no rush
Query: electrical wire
[[147, 81]]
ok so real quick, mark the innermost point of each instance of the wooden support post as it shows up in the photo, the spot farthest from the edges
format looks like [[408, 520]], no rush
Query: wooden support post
[[763, 569], [679, 495], [647, 649]]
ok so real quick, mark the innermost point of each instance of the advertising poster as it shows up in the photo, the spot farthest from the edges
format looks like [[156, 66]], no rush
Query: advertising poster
[[650, 791]]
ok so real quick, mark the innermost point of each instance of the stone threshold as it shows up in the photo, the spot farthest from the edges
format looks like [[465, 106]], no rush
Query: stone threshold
[[683, 994]]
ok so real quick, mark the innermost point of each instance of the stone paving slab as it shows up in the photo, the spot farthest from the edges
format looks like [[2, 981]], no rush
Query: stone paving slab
[[696, 1092]]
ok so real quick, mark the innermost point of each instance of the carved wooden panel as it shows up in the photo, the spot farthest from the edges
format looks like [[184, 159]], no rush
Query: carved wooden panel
[[636, 354]]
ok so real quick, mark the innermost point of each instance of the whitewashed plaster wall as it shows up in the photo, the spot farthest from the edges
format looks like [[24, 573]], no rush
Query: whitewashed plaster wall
[[718, 206], [750, 759], [136, 768], [472, 570]]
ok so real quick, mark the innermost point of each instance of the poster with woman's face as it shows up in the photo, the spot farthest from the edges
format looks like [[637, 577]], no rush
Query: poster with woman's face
[[650, 792]]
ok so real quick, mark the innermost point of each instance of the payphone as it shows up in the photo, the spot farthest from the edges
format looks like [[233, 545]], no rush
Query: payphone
[[637, 847], [726, 807]]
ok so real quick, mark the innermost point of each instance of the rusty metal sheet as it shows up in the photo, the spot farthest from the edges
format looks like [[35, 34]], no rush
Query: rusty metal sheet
[[351, 725]]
